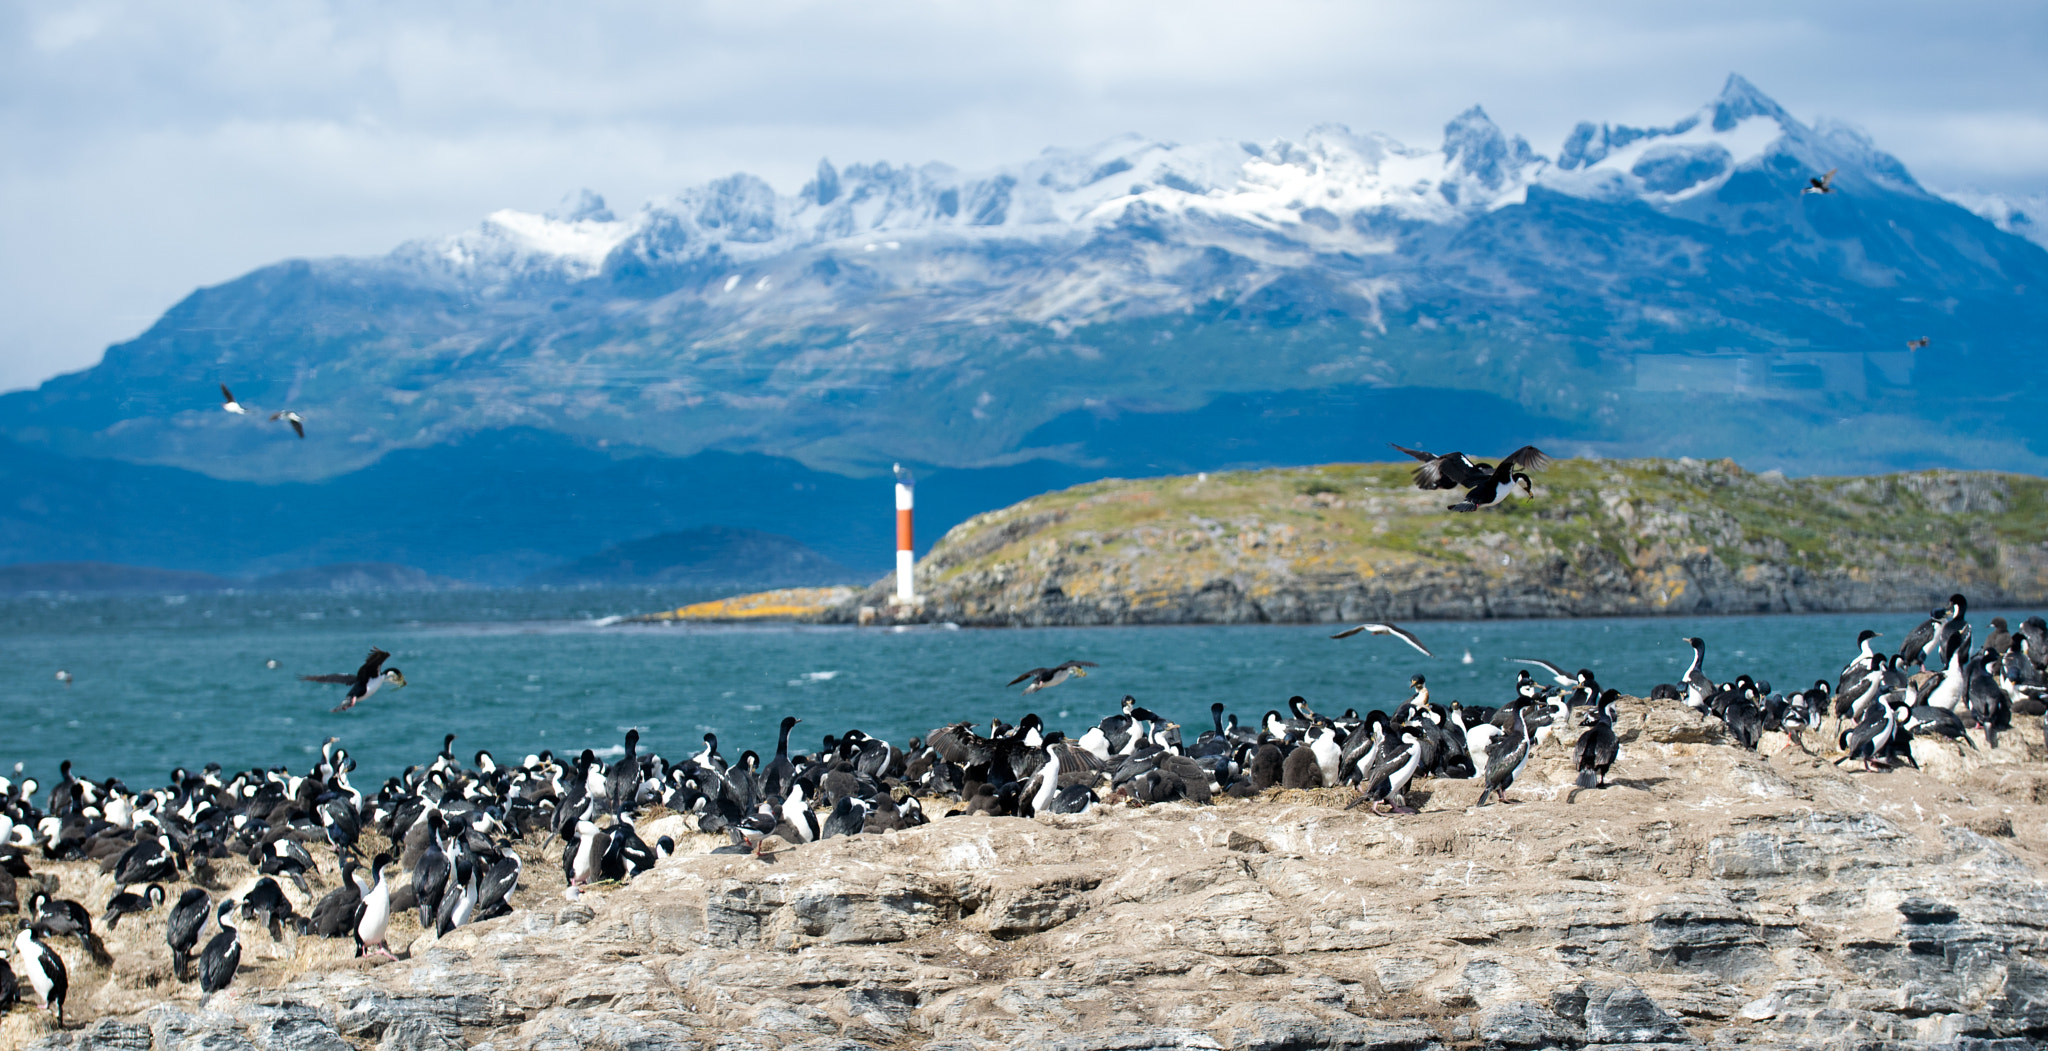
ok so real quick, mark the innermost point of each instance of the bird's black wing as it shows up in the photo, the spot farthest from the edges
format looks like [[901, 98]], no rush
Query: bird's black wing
[[1417, 453], [1909, 650], [1447, 471], [1527, 458], [226, 394], [328, 678], [372, 664], [297, 428], [1033, 673]]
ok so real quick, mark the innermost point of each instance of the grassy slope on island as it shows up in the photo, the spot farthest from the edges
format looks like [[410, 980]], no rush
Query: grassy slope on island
[[1601, 537]]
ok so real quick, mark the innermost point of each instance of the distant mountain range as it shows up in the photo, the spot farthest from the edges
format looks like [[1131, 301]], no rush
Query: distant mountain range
[[489, 404], [82, 577], [706, 557]]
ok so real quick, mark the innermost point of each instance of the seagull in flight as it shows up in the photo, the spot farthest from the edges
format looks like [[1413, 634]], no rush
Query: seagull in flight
[[228, 402], [298, 423], [1821, 183], [1557, 674], [1395, 630], [1053, 676]]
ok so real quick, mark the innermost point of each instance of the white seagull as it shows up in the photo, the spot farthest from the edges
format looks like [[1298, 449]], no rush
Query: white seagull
[[1395, 630]]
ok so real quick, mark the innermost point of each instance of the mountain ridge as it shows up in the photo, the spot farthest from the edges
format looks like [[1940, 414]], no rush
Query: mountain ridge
[[1131, 308]]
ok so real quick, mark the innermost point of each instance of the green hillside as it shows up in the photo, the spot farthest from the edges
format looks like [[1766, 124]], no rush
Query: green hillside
[[1601, 537]]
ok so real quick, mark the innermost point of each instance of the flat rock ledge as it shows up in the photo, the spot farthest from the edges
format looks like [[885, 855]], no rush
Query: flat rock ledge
[[1712, 897]]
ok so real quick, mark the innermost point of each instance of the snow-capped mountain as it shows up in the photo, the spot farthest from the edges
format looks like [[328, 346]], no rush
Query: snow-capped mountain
[[1042, 311], [1282, 203], [2022, 215]]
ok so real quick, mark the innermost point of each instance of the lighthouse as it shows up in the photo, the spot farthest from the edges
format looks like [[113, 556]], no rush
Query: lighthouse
[[906, 558]]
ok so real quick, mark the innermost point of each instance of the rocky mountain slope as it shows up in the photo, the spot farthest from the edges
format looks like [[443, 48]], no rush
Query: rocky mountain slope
[[1711, 897], [1347, 542]]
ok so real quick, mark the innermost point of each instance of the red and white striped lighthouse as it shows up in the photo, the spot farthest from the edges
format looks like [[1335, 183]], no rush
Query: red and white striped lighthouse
[[906, 558]]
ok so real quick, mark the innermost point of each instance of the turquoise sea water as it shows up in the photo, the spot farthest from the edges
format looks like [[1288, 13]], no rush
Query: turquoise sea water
[[163, 681]]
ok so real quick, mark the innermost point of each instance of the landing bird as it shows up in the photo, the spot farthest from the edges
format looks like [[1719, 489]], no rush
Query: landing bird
[[293, 418], [1488, 490], [1053, 676], [228, 402], [1821, 184], [1395, 630], [367, 680], [1916, 344]]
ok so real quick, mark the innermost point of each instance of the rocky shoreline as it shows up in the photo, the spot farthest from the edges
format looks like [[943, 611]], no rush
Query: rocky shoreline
[[1350, 542], [1713, 897]]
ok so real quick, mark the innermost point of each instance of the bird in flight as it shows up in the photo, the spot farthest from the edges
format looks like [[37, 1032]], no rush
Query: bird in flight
[[1916, 344], [367, 680], [228, 402], [1482, 481], [293, 418], [1395, 630], [1489, 490], [1821, 183], [1053, 676]]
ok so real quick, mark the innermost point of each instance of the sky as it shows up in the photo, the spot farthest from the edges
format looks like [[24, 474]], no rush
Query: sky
[[151, 149]]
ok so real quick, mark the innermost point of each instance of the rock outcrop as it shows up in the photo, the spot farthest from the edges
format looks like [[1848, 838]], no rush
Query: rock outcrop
[[1711, 897], [1348, 542]]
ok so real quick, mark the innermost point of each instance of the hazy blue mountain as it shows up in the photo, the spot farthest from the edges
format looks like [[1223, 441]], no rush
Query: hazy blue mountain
[[491, 403], [354, 576], [709, 556], [102, 577]]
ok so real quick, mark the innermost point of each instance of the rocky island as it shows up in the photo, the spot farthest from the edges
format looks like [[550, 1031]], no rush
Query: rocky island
[[1712, 897], [1345, 542]]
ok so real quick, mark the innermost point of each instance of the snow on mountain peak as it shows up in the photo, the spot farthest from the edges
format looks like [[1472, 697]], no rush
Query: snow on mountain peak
[[2025, 216], [1740, 100]]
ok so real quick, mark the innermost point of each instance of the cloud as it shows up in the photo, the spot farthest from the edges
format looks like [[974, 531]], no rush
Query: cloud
[[153, 148]]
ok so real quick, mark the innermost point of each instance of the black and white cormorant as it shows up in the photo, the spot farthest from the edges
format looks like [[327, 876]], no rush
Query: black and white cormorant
[[1502, 483], [1482, 481], [334, 915], [1042, 678], [1598, 747], [780, 773], [125, 902], [1820, 183], [430, 875], [798, 815], [1387, 784], [1699, 690], [1506, 755], [366, 681], [622, 781], [298, 423], [229, 404], [375, 916], [222, 955], [181, 929], [44, 970]]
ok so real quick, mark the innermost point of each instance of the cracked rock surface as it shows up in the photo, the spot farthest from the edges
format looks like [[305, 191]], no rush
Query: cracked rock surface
[[1711, 897]]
